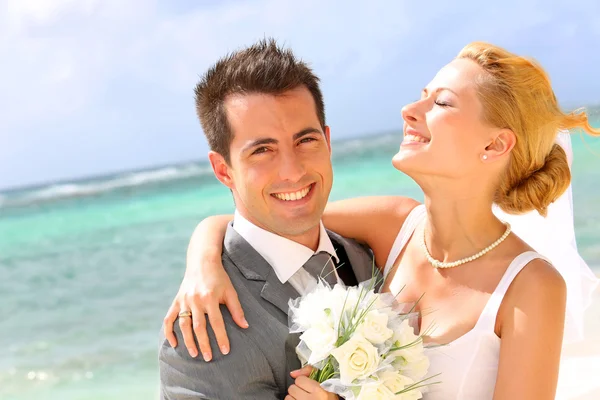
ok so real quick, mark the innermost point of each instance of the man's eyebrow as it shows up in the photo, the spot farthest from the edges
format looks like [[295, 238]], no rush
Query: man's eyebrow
[[306, 131], [259, 142]]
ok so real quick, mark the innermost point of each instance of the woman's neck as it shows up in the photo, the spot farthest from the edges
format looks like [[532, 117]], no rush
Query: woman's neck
[[460, 227]]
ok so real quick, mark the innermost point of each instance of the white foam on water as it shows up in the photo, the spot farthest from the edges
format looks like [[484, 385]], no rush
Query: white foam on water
[[134, 179]]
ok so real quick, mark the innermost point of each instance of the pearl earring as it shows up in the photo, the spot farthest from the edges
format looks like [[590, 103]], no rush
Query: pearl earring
[[484, 156]]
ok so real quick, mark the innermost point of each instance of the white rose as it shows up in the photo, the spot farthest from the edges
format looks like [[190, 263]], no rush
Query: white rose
[[320, 339], [348, 297], [343, 303], [405, 334], [375, 391], [342, 299], [411, 361], [411, 365], [357, 357], [374, 327], [309, 310], [314, 309], [394, 381]]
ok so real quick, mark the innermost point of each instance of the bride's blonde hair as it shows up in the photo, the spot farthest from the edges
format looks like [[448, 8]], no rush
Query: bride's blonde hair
[[516, 94]]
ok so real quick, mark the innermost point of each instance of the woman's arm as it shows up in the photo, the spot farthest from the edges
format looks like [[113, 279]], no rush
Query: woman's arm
[[374, 220], [532, 325], [371, 220]]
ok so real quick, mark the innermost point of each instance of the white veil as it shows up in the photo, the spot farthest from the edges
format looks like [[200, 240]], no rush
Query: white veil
[[554, 238]]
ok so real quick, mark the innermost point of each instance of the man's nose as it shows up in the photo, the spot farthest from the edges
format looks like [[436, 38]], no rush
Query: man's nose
[[291, 167]]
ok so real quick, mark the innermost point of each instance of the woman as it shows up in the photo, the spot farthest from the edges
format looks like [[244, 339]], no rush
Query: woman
[[482, 134]]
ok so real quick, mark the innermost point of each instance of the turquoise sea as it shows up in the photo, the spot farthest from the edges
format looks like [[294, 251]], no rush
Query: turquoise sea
[[89, 268]]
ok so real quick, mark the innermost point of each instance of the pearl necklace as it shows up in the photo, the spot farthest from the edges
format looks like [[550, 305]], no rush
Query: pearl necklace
[[441, 264]]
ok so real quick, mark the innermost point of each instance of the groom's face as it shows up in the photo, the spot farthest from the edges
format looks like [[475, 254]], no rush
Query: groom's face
[[280, 169]]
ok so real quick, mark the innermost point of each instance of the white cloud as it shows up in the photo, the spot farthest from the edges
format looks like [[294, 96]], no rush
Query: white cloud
[[62, 61], [56, 58], [61, 54]]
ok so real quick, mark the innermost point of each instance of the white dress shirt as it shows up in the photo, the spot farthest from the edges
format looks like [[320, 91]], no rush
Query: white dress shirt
[[285, 256]]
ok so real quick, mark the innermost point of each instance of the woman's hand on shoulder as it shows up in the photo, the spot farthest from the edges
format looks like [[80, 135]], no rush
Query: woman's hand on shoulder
[[204, 287], [202, 295]]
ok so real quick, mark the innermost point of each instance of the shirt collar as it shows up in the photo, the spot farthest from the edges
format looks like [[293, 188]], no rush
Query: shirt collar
[[284, 255]]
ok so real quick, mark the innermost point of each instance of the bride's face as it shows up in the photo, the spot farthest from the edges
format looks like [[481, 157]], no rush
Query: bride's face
[[444, 131]]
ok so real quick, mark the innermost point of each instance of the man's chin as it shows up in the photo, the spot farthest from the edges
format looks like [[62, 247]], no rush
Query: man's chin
[[296, 227]]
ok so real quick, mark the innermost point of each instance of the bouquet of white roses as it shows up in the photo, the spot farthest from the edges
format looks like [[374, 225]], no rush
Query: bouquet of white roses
[[360, 346]]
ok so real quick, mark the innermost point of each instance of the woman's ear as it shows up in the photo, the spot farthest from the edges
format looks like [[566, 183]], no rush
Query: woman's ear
[[501, 144]]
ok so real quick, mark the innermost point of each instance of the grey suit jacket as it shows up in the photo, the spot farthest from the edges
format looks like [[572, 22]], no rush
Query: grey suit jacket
[[261, 356]]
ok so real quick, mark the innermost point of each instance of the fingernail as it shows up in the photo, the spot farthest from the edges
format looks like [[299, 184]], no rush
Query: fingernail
[[207, 357], [246, 324], [194, 353], [224, 349]]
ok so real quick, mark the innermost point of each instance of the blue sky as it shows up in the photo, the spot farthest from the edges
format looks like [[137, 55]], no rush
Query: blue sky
[[89, 87]]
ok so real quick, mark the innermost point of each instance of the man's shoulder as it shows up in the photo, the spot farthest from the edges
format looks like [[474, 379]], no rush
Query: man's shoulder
[[242, 344], [245, 369], [348, 243]]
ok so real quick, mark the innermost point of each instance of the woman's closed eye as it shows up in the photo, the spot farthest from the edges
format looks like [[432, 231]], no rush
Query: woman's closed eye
[[442, 103]]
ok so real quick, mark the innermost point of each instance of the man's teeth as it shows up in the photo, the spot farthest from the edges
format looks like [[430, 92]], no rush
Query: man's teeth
[[415, 138], [293, 195]]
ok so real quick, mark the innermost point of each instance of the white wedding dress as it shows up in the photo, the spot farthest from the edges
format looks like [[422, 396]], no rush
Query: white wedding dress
[[469, 365]]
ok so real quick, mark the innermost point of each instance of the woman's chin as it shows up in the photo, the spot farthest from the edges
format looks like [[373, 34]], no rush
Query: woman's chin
[[405, 162]]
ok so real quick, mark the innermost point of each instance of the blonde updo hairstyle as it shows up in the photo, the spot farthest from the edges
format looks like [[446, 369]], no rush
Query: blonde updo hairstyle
[[516, 94]]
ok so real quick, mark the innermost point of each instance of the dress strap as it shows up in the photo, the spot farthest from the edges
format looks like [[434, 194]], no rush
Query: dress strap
[[408, 227], [487, 320]]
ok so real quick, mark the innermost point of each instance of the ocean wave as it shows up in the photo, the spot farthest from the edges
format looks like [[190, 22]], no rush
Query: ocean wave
[[361, 145], [123, 181], [342, 150]]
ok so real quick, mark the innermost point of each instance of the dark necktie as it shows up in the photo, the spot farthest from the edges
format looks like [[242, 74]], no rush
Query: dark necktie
[[322, 265]]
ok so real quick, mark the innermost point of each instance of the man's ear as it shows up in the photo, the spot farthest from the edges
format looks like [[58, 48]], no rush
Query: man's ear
[[327, 133], [221, 169]]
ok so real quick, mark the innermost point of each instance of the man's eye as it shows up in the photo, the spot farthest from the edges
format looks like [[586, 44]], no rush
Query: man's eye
[[260, 150], [307, 140]]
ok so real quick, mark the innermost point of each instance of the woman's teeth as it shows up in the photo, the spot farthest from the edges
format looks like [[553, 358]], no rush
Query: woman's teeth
[[293, 195], [415, 138]]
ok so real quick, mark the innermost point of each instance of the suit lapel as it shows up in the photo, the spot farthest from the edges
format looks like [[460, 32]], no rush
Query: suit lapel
[[255, 268], [277, 293]]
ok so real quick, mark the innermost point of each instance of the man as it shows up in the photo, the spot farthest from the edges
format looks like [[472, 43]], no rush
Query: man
[[263, 115]]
